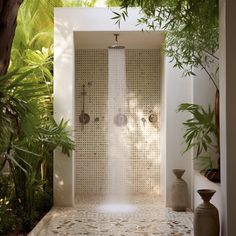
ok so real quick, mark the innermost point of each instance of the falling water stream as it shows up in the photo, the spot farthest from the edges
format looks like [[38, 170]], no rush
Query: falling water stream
[[117, 195]]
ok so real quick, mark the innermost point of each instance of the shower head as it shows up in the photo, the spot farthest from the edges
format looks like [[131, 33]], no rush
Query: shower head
[[115, 45]]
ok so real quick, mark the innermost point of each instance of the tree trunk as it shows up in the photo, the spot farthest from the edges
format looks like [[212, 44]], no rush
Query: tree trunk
[[8, 15]]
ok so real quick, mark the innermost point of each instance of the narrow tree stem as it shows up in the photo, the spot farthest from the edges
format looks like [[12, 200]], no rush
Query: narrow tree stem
[[3, 163], [210, 54], [210, 76]]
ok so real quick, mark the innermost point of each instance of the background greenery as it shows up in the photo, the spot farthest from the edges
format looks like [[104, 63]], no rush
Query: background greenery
[[28, 131], [191, 28], [200, 133]]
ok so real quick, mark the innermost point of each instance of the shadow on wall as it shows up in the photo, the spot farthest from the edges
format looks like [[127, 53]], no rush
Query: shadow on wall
[[143, 99], [63, 179], [144, 141]]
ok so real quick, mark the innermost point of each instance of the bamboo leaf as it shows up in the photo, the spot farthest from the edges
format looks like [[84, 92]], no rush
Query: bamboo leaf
[[10, 157]]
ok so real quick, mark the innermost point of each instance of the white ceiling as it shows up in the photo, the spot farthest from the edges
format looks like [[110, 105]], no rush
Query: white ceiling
[[129, 39]]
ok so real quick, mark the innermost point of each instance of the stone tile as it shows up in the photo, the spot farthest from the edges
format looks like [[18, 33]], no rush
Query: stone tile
[[150, 218]]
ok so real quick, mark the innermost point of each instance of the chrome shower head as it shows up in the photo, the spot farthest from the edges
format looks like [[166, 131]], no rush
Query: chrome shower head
[[115, 45]]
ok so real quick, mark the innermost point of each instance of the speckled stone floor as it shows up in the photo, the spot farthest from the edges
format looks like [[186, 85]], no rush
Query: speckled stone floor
[[146, 217]]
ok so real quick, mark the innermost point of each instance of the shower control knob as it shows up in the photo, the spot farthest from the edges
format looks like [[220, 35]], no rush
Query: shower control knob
[[84, 118], [120, 119]]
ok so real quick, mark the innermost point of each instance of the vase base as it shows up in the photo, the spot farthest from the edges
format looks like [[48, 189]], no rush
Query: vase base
[[179, 208]]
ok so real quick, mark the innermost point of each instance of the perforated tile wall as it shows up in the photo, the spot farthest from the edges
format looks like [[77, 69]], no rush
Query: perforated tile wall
[[143, 99]]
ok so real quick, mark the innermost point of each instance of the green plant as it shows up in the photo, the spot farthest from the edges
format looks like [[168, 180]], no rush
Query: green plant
[[201, 134], [192, 39], [113, 3], [7, 220], [28, 131], [77, 3], [191, 29], [29, 134], [7, 217]]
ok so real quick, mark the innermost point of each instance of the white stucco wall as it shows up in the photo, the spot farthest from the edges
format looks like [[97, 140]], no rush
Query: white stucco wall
[[175, 91], [63, 106], [203, 86], [203, 89]]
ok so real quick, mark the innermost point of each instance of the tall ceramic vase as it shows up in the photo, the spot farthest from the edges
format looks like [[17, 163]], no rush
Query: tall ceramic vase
[[206, 217], [179, 191]]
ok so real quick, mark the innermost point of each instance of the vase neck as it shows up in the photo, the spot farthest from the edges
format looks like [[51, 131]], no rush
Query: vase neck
[[178, 173], [206, 200], [206, 194]]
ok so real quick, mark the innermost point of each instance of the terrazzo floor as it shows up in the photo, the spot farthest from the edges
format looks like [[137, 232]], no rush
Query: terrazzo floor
[[150, 217]]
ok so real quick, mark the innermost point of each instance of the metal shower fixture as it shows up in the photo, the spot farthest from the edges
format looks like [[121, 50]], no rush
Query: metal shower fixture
[[115, 45]]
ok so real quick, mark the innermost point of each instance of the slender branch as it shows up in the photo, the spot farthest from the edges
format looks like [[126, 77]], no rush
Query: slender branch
[[7, 153], [210, 76], [10, 144], [211, 55], [3, 163]]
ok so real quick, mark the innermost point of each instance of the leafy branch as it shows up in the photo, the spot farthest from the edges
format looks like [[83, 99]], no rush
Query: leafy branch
[[191, 29], [200, 129]]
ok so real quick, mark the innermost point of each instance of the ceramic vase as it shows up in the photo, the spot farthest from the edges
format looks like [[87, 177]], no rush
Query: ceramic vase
[[179, 191], [206, 216]]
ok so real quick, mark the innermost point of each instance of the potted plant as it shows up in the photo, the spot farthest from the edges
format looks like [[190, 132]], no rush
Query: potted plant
[[201, 133]]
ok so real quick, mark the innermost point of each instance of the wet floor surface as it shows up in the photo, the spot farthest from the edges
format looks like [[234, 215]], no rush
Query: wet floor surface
[[147, 217]]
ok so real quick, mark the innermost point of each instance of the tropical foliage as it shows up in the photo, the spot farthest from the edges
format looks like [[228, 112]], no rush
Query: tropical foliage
[[200, 132], [78, 3], [113, 3], [28, 131], [192, 40], [191, 29]]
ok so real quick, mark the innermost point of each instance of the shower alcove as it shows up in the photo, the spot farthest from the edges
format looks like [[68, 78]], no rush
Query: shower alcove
[[153, 91], [133, 147]]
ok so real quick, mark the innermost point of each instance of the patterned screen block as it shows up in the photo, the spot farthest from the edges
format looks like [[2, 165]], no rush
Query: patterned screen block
[[141, 130]]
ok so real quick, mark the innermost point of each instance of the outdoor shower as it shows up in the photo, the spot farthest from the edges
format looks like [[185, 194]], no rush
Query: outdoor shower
[[117, 155], [116, 67], [116, 45], [118, 151]]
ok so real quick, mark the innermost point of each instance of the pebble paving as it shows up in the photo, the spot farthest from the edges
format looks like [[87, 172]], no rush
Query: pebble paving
[[150, 218]]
